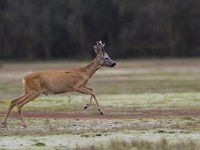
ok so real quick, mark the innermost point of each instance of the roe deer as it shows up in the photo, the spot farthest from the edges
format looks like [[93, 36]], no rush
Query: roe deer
[[61, 81]]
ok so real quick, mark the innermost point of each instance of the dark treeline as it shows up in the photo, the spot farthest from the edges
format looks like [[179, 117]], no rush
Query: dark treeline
[[48, 29]]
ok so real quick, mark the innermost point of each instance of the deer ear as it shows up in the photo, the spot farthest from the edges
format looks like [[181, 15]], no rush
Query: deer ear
[[96, 50]]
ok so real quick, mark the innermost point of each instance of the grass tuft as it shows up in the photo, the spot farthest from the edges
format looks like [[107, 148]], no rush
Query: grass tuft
[[39, 144]]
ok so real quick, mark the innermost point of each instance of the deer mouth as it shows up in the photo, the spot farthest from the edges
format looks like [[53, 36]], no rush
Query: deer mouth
[[113, 65]]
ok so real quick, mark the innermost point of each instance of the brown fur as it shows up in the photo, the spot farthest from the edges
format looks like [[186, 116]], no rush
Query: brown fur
[[55, 82]]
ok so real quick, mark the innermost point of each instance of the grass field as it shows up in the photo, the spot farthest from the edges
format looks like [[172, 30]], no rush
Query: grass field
[[147, 104]]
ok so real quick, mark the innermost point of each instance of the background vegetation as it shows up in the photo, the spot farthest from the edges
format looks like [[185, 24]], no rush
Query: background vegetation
[[35, 29]]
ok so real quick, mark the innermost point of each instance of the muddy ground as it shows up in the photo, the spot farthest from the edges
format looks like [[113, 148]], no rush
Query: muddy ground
[[109, 114]]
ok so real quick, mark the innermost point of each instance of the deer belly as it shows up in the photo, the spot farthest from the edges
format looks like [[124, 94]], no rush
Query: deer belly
[[56, 88]]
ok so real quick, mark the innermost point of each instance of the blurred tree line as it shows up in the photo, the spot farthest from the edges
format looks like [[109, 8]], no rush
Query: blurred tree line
[[48, 29]]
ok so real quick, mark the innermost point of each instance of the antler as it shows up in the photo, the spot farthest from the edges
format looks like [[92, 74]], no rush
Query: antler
[[99, 46], [99, 43]]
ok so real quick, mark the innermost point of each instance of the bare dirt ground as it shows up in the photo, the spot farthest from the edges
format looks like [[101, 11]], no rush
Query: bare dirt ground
[[110, 114]]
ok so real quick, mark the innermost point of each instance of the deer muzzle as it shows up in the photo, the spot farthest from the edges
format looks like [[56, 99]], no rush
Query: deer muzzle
[[113, 64]]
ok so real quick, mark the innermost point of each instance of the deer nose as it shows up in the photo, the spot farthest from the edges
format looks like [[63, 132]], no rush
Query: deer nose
[[113, 65]]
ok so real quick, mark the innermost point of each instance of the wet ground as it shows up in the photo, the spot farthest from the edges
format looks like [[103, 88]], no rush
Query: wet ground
[[110, 113]]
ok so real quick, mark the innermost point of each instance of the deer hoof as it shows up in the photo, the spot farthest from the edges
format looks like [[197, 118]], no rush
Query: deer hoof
[[86, 106], [101, 113], [4, 124], [24, 125]]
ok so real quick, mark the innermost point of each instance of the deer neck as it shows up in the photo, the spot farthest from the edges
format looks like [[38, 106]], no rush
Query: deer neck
[[92, 67]]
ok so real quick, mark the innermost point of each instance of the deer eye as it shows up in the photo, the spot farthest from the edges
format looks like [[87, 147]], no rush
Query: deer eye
[[106, 58]]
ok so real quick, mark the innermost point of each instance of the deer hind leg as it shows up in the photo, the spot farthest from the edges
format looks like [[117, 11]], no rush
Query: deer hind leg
[[101, 113], [24, 101], [13, 103], [89, 92]]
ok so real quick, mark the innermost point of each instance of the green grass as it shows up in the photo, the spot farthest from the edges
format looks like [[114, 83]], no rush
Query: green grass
[[139, 84], [140, 76], [123, 101], [99, 134], [163, 144]]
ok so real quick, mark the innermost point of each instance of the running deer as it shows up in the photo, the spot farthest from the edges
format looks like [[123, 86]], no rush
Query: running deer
[[61, 81]]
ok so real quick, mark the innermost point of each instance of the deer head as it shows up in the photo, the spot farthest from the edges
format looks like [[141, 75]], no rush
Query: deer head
[[102, 55]]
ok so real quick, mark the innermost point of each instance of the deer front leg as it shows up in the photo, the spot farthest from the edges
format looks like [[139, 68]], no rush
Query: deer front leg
[[90, 104], [85, 90]]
